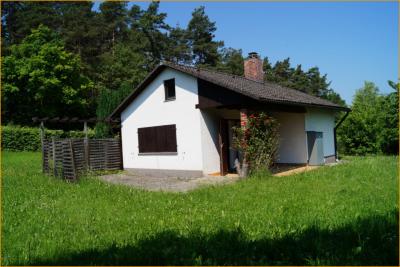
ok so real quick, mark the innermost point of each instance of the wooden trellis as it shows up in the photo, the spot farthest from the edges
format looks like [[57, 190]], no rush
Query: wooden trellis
[[69, 158]]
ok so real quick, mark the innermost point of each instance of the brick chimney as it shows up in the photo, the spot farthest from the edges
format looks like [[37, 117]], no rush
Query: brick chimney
[[253, 67]]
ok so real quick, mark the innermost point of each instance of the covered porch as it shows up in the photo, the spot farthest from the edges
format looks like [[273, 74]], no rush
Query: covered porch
[[222, 109], [217, 138]]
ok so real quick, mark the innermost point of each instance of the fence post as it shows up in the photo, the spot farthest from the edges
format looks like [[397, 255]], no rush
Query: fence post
[[86, 146], [106, 153], [72, 158], [53, 146], [120, 149], [42, 143]]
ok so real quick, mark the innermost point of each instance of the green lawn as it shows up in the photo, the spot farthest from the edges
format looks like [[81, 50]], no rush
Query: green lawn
[[341, 215]]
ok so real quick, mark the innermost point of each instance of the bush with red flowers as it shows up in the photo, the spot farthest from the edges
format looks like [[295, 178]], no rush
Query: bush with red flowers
[[257, 141]]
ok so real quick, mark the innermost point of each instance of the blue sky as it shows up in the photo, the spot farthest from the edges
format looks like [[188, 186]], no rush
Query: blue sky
[[351, 42]]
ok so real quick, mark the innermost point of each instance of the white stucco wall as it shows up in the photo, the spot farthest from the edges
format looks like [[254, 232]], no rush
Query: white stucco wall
[[209, 142], [292, 143], [210, 120], [321, 120], [150, 109]]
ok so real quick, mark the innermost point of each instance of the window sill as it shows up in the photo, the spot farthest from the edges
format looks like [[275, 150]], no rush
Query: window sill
[[158, 154], [170, 99]]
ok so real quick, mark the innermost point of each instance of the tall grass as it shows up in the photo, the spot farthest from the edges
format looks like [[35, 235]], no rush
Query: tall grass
[[341, 215]]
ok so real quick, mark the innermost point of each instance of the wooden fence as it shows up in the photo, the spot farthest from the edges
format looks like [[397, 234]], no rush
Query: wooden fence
[[69, 158]]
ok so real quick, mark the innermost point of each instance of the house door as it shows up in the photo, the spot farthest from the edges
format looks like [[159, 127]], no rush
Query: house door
[[315, 148], [223, 146], [233, 153]]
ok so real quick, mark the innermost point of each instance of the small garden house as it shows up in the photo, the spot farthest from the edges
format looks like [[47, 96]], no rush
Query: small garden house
[[178, 120]]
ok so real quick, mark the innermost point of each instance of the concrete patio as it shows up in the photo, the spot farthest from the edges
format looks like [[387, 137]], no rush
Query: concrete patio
[[176, 184], [170, 184]]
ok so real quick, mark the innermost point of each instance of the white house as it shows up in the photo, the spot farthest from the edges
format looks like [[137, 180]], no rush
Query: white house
[[178, 121]]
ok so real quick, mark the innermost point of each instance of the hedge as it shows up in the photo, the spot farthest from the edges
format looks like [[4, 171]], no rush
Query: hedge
[[15, 138]]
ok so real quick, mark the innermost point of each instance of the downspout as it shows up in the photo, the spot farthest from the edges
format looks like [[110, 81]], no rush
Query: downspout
[[337, 126]]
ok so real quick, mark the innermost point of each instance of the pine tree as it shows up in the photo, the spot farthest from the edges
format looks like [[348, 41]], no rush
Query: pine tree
[[318, 84], [114, 23], [201, 38], [20, 18], [231, 61], [10, 23], [298, 79], [125, 64], [282, 72], [151, 23], [178, 49], [310, 81], [268, 71], [77, 21]]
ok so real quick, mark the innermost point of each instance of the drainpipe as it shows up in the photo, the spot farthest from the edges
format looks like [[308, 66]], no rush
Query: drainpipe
[[337, 126]]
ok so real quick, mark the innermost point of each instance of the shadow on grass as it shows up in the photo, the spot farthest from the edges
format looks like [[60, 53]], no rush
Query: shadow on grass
[[372, 241]]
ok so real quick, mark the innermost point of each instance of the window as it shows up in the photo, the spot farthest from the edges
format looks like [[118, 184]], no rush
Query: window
[[169, 87], [158, 139]]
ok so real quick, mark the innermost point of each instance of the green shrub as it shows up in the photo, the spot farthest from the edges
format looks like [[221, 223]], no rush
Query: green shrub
[[79, 134], [373, 124], [16, 138]]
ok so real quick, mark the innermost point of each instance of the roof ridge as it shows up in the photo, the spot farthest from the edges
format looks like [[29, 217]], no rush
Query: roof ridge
[[238, 76], [215, 71], [264, 84]]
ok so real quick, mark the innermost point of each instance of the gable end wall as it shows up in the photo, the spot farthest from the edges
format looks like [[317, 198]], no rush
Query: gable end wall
[[150, 109]]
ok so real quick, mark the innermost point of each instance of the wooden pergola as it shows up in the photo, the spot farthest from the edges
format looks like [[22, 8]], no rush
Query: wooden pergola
[[74, 120], [68, 120]]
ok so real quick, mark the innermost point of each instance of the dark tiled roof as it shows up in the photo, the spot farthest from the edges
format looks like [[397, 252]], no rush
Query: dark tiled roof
[[267, 91], [264, 92]]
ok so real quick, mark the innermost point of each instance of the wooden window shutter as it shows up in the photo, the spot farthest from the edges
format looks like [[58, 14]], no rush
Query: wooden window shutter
[[157, 139]]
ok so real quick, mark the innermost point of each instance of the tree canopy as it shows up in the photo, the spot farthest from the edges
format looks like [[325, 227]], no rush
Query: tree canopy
[[65, 58], [372, 125], [114, 35], [40, 78], [310, 81]]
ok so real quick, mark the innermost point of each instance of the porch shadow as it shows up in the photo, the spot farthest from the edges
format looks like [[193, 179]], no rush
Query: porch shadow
[[370, 241]]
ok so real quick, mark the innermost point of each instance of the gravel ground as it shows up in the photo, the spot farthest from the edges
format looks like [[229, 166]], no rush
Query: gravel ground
[[175, 184], [170, 184]]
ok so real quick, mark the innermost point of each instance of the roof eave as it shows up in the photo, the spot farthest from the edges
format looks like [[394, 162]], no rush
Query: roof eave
[[339, 108], [118, 110]]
